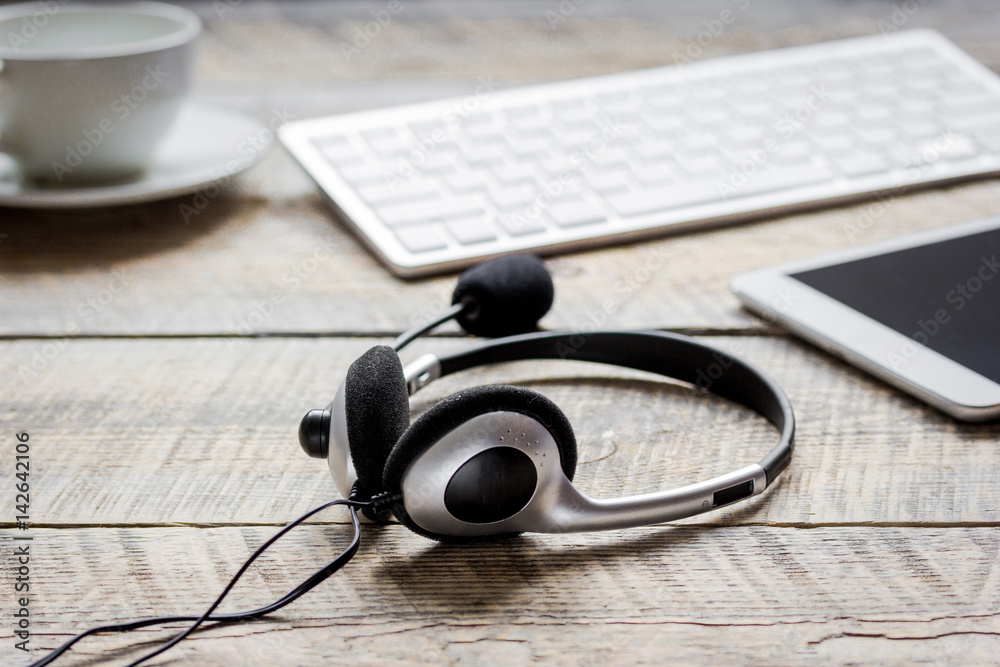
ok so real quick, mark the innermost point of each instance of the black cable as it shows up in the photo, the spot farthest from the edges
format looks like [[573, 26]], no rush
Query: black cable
[[407, 337], [316, 578]]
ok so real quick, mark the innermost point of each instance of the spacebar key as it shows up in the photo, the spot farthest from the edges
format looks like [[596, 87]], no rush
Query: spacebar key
[[782, 178], [663, 198], [427, 210], [710, 192]]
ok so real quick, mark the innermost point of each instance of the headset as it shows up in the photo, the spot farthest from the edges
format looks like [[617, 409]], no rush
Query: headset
[[493, 460], [499, 459]]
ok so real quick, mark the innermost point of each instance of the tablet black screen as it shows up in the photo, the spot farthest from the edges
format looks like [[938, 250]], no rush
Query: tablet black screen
[[945, 296]]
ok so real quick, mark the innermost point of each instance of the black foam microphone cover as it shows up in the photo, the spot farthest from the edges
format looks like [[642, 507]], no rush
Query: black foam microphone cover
[[508, 296]]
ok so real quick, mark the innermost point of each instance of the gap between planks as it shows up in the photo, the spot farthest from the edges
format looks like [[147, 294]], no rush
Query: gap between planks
[[713, 526], [686, 331]]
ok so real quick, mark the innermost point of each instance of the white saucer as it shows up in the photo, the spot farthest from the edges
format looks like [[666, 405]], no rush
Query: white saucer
[[206, 146]]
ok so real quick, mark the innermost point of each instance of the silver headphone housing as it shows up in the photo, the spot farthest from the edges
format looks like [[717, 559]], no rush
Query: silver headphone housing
[[556, 505]]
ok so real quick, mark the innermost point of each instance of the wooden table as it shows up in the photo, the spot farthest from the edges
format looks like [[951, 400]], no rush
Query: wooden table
[[161, 366]]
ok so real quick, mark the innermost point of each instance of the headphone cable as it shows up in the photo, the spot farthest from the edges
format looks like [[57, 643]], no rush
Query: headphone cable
[[316, 578], [453, 311]]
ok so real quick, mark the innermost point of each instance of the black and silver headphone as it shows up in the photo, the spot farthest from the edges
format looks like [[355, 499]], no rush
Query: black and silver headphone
[[500, 459], [497, 459]]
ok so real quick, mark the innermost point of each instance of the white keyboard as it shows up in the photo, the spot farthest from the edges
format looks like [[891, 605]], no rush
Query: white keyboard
[[436, 186]]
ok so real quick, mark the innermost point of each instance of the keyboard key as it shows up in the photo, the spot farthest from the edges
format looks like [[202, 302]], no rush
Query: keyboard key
[[611, 155], [576, 116], [527, 147], [751, 86], [522, 111], [835, 144], [575, 212], [861, 164], [519, 224], [470, 230], [421, 238], [474, 181], [631, 204], [990, 138], [744, 134], [574, 138], [555, 164], [655, 151], [919, 129], [437, 163], [657, 174], [466, 181], [387, 193], [395, 215], [606, 182], [701, 166], [477, 154], [831, 119], [513, 197], [367, 172], [428, 128], [873, 113], [756, 109], [485, 134], [666, 124], [389, 145], [341, 153], [513, 174], [783, 178], [874, 137], [530, 124], [958, 148], [698, 141]]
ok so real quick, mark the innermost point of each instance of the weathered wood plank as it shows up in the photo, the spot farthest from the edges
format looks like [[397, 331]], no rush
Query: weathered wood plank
[[269, 257], [204, 431], [719, 595], [249, 265], [460, 40]]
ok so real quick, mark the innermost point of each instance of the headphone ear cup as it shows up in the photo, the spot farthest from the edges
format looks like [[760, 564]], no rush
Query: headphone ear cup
[[458, 408], [377, 410]]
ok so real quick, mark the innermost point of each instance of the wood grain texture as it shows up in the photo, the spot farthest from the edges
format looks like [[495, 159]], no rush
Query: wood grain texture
[[159, 464], [204, 431], [257, 265], [460, 40], [684, 595], [268, 256]]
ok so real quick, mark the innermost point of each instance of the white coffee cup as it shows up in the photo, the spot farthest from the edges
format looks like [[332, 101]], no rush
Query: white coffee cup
[[88, 92]]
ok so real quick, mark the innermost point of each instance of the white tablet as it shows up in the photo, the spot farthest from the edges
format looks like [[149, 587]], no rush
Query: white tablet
[[921, 312]]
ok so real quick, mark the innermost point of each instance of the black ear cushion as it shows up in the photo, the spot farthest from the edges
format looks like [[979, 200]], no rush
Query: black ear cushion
[[377, 407], [457, 409]]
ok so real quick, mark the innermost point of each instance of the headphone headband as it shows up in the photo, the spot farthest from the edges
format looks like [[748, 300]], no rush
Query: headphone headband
[[670, 355]]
